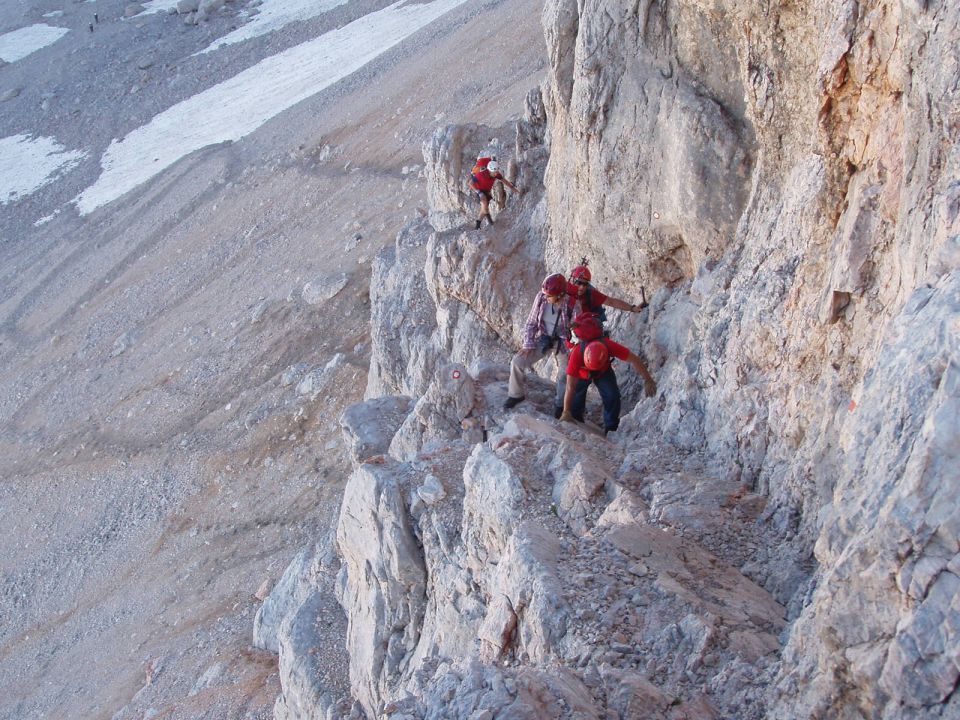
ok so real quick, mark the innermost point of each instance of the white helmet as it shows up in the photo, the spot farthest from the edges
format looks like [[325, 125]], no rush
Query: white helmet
[[492, 166]]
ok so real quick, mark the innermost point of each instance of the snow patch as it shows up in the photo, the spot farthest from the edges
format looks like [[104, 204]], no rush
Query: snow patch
[[159, 6], [27, 164], [240, 105], [20, 43], [274, 15], [45, 219]]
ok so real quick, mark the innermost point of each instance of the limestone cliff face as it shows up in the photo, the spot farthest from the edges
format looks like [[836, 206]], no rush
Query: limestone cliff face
[[775, 534], [790, 174], [794, 180]]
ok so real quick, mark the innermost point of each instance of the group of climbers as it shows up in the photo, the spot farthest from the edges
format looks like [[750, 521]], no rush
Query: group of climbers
[[560, 311], [563, 311]]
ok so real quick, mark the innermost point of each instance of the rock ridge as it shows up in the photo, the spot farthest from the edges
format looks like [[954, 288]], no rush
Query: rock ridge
[[774, 535]]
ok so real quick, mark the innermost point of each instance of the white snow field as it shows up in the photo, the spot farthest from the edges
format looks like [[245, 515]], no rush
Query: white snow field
[[274, 15], [20, 43], [159, 6], [240, 105], [27, 164]]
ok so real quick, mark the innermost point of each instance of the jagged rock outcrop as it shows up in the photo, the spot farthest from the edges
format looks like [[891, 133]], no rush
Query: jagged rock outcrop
[[648, 174], [517, 567], [890, 545], [402, 321], [448, 289], [370, 428], [302, 622], [773, 535]]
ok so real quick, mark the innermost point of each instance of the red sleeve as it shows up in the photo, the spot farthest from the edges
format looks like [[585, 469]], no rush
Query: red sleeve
[[597, 298], [576, 361], [617, 350]]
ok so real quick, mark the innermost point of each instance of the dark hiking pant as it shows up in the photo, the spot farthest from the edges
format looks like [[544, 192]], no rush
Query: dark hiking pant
[[609, 393]]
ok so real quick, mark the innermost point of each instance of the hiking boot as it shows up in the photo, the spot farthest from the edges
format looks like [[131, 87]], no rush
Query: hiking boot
[[512, 402], [557, 411], [477, 226]]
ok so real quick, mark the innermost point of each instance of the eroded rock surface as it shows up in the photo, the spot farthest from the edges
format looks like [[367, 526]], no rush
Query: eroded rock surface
[[774, 534], [539, 608]]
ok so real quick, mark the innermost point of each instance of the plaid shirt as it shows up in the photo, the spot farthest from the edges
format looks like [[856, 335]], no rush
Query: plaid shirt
[[536, 327]]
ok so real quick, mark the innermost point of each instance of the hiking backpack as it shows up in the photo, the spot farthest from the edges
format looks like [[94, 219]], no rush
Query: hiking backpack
[[599, 310], [479, 169]]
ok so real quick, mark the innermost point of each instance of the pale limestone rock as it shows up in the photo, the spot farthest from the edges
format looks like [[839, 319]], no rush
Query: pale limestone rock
[[497, 590], [125, 342], [209, 678], [448, 159], [302, 622], [259, 311], [303, 669], [293, 374], [403, 318], [452, 408], [682, 569], [314, 381], [207, 7], [574, 494], [321, 289], [385, 582], [526, 578], [473, 310], [623, 509], [640, 155], [264, 590], [634, 695], [288, 593], [432, 490], [368, 427], [493, 496], [794, 217], [889, 540]]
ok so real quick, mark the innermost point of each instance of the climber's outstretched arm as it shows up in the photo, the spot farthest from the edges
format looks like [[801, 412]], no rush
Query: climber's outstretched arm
[[649, 384]]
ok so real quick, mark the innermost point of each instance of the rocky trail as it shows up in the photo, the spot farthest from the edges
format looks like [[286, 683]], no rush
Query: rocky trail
[[286, 340], [585, 577], [501, 563]]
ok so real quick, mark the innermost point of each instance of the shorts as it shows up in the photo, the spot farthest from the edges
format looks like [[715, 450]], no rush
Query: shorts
[[481, 194]]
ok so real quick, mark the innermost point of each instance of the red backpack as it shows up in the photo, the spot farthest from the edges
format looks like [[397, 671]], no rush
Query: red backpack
[[480, 171], [587, 326]]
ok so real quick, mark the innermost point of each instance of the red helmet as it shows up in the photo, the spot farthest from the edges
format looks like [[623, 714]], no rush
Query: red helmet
[[580, 273], [555, 284], [596, 356], [587, 326]]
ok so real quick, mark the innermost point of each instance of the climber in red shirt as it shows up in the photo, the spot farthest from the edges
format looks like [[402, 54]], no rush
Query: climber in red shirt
[[584, 297], [590, 362], [486, 174]]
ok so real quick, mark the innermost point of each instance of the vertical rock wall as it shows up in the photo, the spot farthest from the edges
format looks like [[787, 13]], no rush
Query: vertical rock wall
[[789, 172]]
